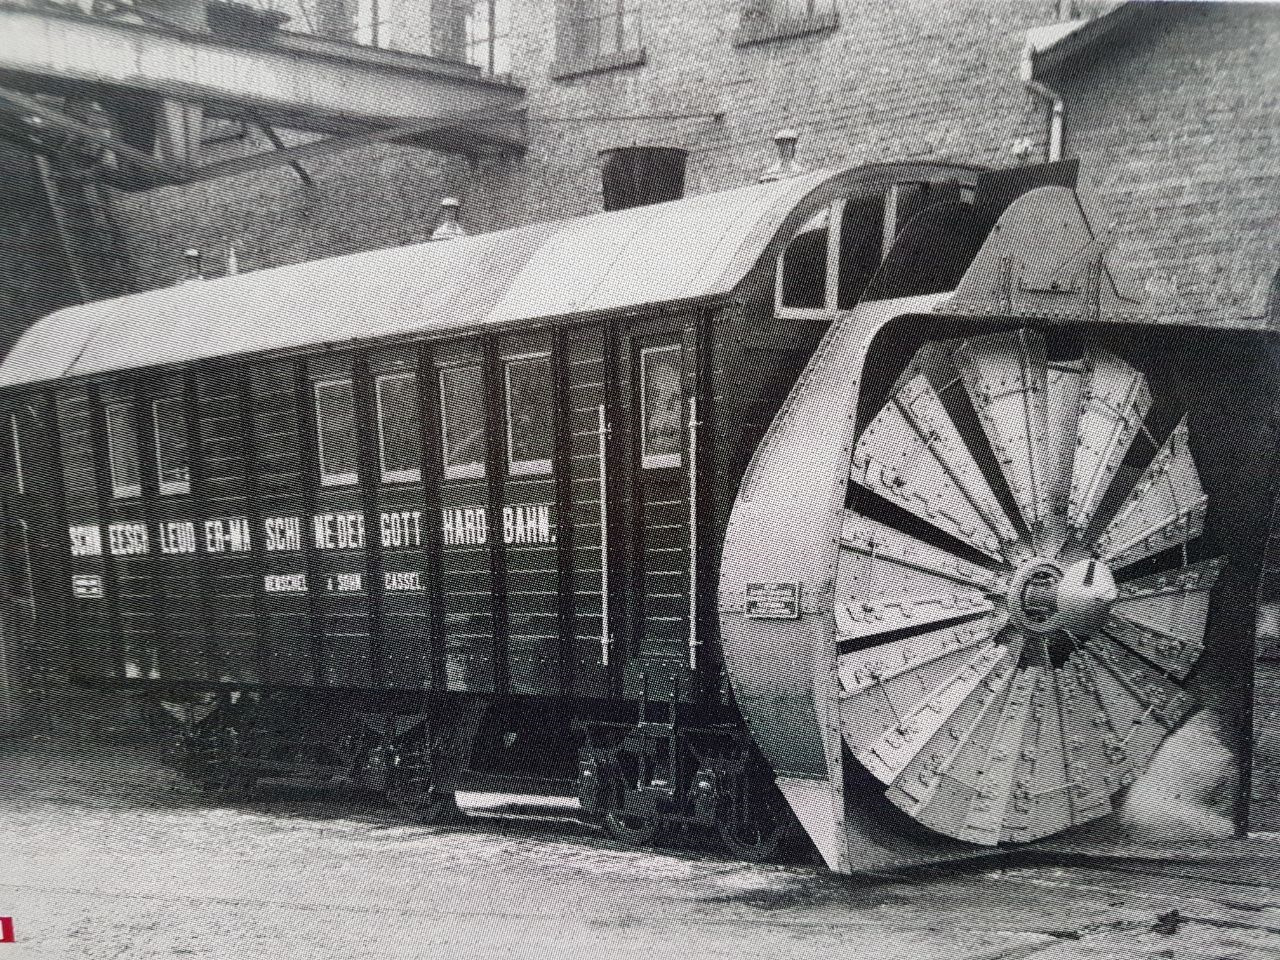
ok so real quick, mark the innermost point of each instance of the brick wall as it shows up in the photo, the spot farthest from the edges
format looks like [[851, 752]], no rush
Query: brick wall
[[1175, 128], [904, 79], [1178, 129]]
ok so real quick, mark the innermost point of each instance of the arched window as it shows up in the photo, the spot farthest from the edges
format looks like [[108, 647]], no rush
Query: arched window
[[803, 271]]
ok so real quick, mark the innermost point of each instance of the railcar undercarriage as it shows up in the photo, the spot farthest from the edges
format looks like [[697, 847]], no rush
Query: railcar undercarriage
[[645, 780]]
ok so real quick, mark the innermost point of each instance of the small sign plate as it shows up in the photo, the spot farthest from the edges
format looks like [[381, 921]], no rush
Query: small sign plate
[[87, 586], [773, 601]]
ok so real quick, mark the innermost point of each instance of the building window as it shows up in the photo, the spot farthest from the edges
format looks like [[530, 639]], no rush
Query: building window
[[763, 20], [173, 467], [597, 35], [661, 404], [373, 23], [399, 430], [530, 415], [462, 422], [122, 450], [488, 33], [16, 437], [336, 432]]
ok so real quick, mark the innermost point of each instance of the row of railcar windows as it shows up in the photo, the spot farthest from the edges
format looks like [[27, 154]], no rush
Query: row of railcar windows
[[529, 429]]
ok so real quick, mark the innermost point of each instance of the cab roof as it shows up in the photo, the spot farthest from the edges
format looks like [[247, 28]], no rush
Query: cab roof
[[689, 249]]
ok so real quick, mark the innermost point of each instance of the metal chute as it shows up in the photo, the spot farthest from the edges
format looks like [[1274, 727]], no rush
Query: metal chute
[[1006, 676]]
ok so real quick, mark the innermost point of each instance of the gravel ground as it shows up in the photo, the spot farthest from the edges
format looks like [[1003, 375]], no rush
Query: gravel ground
[[115, 858]]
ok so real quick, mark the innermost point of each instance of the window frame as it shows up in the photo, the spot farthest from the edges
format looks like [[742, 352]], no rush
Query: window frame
[[764, 23], [489, 45], [831, 291], [334, 479], [412, 474], [474, 469], [660, 461], [169, 488], [123, 491], [527, 468]]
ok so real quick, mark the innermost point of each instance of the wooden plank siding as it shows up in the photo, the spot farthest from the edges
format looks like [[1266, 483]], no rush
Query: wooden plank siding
[[587, 373], [231, 538], [284, 500], [486, 580]]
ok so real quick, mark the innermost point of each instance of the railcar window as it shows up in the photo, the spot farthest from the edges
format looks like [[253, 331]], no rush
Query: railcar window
[[122, 450], [661, 404], [399, 439], [804, 265], [173, 465], [462, 421], [336, 432], [530, 412], [18, 480]]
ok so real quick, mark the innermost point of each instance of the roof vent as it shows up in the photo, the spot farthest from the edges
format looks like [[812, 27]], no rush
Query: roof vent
[[194, 265], [786, 165], [449, 228], [636, 176]]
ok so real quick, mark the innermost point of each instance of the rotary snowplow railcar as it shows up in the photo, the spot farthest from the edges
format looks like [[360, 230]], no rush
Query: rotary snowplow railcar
[[457, 515]]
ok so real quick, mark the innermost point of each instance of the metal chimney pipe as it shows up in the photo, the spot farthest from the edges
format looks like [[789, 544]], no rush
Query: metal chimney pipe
[[786, 164], [195, 270], [635, 176], [450, 228]]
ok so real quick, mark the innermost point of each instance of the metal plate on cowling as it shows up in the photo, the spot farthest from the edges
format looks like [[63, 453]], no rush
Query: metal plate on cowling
[[1008, 700]]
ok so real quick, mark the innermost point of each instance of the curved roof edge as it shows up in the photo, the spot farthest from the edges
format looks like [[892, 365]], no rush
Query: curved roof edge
[[693, 248]]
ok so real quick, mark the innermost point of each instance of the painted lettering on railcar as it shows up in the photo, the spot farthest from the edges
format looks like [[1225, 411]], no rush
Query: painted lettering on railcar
[[285, 583], [338, 531], [344, 583], [527, 523], [282, 534], [177, 537], [87, 587], [401, 528], [521, 523], [466, 527], [128, 539], [403, 581], [227, 535], [86, 540]]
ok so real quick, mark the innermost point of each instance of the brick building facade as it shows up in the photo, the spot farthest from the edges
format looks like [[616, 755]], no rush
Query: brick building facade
[[1174, 119]]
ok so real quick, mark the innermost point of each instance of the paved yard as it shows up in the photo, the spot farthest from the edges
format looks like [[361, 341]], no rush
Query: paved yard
[[107, 859]]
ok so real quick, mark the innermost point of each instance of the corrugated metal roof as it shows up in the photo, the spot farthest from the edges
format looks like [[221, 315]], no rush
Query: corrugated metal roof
[[695, 247]]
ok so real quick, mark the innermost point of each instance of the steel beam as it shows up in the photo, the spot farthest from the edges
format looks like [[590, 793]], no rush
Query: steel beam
[[320, 85]]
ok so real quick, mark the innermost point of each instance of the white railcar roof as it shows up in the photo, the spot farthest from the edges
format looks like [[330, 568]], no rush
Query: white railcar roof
[[691, 248]]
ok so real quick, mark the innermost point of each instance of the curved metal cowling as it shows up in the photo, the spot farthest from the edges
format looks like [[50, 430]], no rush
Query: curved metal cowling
[[686, 249], [787, 526]]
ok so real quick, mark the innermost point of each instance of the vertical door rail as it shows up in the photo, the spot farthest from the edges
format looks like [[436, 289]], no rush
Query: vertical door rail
[[606, 635], [694, 642]]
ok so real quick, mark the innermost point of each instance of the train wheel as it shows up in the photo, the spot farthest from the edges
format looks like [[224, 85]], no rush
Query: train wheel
[[423, 803], [756, 837], [632, 830], [1019, 602]]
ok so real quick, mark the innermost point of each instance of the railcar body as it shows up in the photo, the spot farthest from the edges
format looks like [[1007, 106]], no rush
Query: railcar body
[[457, 515]]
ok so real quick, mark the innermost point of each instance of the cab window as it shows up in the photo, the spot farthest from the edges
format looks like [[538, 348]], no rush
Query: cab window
[[399, 437], [173, 468], [122, 450], [462, 421], [803, 271], [530, 408], [336, 432]]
